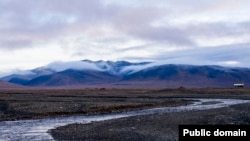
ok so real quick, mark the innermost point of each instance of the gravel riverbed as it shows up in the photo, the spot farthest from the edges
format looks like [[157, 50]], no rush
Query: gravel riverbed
[[157, 127]]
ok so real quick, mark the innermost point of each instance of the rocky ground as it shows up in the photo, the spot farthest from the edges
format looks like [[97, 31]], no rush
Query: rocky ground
[[152, 127], [42, 103]]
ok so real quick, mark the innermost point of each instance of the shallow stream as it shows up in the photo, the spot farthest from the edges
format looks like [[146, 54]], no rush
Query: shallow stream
[[37, 130]]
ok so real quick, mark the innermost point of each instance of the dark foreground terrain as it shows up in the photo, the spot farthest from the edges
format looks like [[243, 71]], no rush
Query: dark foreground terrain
[[41, 103], [151, 127]]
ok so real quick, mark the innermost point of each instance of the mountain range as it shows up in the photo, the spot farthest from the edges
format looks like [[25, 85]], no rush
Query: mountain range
[[124, 74]]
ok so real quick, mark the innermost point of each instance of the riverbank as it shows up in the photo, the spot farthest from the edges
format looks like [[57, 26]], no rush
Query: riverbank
[[40, 129], [56, 103], [158, 127]]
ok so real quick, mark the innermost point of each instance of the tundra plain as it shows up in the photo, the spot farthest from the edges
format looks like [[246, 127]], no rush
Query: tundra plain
[[16, 104]]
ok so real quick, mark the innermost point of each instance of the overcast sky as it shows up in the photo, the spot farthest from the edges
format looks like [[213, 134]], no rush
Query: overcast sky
[[34, 33]]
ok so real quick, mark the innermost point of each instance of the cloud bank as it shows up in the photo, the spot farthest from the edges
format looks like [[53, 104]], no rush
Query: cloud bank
[[35, 33]]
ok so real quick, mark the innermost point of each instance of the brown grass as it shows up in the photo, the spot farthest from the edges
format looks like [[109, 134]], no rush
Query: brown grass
[[38, 103]]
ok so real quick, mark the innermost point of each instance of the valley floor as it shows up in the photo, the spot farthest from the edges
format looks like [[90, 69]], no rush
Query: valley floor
[[160, 127], [40, 103]]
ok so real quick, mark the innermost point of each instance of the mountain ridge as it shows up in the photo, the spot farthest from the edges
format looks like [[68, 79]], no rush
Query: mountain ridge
[[127, 74]]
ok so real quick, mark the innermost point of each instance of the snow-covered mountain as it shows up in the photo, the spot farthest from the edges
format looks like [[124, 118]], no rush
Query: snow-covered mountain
[[21, 77], [115, 68], [128, 74]]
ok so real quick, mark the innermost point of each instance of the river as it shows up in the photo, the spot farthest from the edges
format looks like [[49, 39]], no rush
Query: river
[[37, 130]]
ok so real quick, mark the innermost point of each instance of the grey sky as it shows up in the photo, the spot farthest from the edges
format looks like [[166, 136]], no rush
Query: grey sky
[[37, 32]]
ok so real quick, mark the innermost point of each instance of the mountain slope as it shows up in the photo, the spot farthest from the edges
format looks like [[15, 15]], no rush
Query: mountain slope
[[7, 85], [72, 77], [25, 76], [192, 76], [113, 68], [127, 74]]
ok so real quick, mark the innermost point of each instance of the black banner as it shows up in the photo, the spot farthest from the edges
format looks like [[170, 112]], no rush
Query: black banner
[[214, 132]]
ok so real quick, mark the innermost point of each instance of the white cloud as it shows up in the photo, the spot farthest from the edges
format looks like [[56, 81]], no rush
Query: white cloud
[[229, 63], [79, 65], [136, 68], [35, 33]]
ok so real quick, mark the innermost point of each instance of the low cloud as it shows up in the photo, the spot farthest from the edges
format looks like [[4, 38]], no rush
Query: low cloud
[[79, 65], [135, 68]]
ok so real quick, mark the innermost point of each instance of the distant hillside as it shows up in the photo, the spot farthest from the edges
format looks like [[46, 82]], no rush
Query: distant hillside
[[73, 77], [126, 74], [7, 85], [191, 76]]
